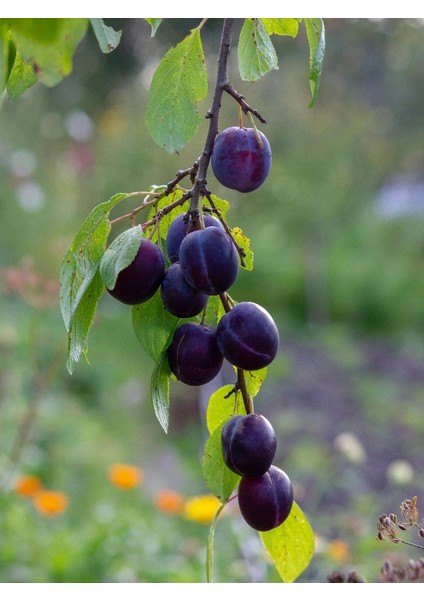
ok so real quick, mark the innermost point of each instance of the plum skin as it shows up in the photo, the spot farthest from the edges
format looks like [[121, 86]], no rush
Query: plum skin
[[178, 297], [266, 501], [209, 260], [179, 228], [238, 161], [193, 354], [249, 444], [141, 279], [248, 337]]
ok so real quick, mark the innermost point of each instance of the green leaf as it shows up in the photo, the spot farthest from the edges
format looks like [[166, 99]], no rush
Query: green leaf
[[223, 404], [254, 380], [166, 220], [256, 52], [21, 78], [154, 24], [291, 545], [7, 57], [159, 391], [316, 37], [119, 255], [179, 83], [107, 37], [50, 49], [244, 243], [282, 26], [80, 283], [154, 326], [210, 544], [219, 478]]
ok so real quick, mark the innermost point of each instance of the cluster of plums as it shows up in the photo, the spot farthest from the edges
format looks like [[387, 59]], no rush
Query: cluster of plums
[[265, 492], [205, 262]]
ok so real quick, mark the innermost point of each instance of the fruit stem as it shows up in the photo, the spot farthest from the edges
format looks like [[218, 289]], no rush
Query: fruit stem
[[241, 384], [257, 134]]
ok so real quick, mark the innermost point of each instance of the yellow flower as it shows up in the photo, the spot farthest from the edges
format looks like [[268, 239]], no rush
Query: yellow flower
[[169, 501], [27, 485], [125, 477], [50, 503], [201, 508]]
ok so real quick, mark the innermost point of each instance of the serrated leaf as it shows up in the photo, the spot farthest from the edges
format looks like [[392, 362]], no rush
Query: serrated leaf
[[107, 38], [153, 326], [21, 78], [119, 255], [223, 404], [316, 37], [244, 243], [256, 52], [282, 26], [80, 283], [291, 545], [219, 478], [51, 58], [154, 24], [159, 391], [179, 83]]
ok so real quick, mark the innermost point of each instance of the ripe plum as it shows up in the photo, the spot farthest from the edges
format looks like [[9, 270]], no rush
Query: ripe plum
[[179, 229], [179, 297], [238, 161]]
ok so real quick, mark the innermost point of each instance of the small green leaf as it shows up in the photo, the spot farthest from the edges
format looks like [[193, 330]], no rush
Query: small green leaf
[[244, 243], [80, 283], [179, 83], [159, 391], [254, 380], [256, 52], [107, 37], [316, 37], [219, 478], [21, 78], [282, 26], [154, 24], [153, 326], [119, 255], [223, 404], [291, 545]]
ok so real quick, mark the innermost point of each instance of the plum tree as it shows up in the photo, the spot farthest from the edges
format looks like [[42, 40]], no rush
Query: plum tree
[[241, 158], [248, 336], [266, 501], [248, 444]]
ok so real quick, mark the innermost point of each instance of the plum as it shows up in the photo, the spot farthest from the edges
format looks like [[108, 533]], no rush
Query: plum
[[178, 229], [248, 337], [179, 297], [193, 355], [239, 161], [266, 501], [248, 444]]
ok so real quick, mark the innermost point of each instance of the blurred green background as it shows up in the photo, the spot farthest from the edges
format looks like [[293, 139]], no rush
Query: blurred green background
[[337, 232]]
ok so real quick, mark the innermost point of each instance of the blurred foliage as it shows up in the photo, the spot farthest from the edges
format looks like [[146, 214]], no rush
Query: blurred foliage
[[338, 276]]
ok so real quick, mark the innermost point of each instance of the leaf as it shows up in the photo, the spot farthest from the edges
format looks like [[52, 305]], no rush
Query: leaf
[[179, 83], [316, 37], [153, 326], [50, 56], [254, 380], [107, 37], [244, 243], [282, 26], [210, 544], [159, 391], [7, 56], [223, 404], [256, 52], [21, 78], [119, 255], [80, 283], [154, 24], [291, 545], [219, 478]]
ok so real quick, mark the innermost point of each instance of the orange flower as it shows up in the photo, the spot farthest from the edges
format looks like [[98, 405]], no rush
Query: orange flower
[[169, 501], [27, 485], [125, 477], [201, 508], [50, 503]]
